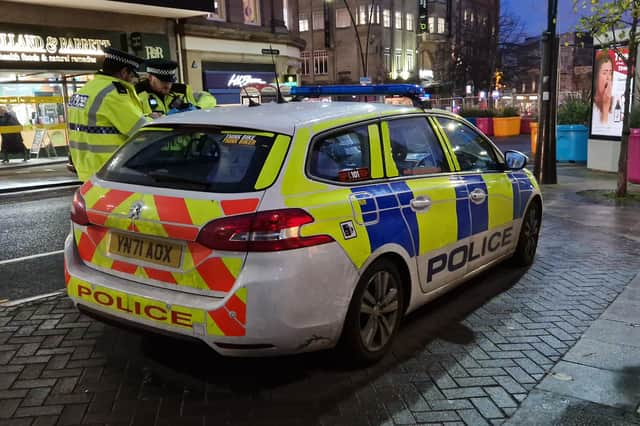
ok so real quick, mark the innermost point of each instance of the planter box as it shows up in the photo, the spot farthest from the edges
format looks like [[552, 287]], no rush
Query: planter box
[[485, 124], [571, 142], [525, 125], [534, 136], [633, 162], [506, 126]]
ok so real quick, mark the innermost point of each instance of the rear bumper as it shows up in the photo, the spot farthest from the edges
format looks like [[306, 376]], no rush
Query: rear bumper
[[281, 303]]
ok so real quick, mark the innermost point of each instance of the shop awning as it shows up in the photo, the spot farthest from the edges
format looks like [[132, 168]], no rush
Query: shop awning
[[157, 8]]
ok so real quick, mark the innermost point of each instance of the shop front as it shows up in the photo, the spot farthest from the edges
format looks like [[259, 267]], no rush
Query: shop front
[[234, 70], [41, 67]]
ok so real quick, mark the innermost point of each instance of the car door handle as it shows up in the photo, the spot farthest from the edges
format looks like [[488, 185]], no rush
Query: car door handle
[[420, 203], [478, 196]]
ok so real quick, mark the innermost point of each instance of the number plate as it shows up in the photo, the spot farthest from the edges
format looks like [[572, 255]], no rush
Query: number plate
[[145, 249]]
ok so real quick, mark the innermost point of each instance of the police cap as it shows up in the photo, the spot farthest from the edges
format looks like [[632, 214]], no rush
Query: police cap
[[116, 57], [163, 69]]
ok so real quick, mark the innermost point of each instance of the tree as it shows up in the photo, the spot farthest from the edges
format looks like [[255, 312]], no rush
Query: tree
[[619, 18], [514, 61]]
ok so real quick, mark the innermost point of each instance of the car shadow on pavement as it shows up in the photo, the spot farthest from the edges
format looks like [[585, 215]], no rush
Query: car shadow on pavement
[[313, 388]]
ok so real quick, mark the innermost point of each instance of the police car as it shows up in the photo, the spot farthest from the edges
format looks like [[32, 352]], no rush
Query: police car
[[292, 227]]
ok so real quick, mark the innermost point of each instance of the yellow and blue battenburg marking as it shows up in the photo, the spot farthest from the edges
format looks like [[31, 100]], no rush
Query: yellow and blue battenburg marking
[[472, 218], [522, 191], [383, 216]]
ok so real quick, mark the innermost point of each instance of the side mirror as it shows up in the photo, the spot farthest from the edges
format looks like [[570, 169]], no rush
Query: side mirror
[[515, 160]]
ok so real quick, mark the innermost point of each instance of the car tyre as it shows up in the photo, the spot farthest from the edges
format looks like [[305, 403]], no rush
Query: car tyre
[[528, 238], [374, 315]]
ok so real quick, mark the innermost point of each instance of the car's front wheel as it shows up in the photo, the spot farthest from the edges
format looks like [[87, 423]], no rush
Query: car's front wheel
[[528, 239], [374, 314]]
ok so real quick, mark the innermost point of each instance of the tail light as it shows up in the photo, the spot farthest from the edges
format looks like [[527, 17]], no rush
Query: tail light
[[273, 230], [79, 210]]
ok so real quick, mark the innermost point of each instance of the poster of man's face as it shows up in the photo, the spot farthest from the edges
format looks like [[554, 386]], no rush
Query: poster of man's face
[[609, 77]]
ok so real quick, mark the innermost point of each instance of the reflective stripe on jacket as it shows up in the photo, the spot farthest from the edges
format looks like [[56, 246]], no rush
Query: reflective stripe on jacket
[[102, 115]]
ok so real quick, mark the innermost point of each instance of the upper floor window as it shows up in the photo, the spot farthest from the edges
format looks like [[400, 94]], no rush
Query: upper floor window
[[318, 20], [363, 17], [343, 20], [409, 22], [218, 13], [320, 62], [432, 24], [250, 12], [303, 22], [374, 14], [285, 13], [306, 62], [386, 18], [398, 20], [441, 28]]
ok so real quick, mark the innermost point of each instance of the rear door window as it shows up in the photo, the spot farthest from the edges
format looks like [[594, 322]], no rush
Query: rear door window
[[343, 156], [201, 159]]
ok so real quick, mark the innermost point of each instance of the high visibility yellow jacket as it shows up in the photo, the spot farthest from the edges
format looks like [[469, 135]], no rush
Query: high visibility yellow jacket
[[180, 96], [102, 115]]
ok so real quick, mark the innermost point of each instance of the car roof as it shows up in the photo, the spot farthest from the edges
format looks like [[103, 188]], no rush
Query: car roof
[[281, 118]]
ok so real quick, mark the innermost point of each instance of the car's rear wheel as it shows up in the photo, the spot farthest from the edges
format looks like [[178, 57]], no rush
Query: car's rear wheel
[[374, 314], [528, 239]]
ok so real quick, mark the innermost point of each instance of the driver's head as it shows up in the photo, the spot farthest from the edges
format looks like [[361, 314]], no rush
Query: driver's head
[[162, 75]]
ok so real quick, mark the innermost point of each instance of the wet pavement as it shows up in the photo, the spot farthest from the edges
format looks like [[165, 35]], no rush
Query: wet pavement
[[472, 357], [552, 344]]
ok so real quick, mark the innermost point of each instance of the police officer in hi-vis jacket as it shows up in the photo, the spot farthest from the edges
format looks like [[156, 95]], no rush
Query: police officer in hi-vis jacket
[[160, 93], [104, 113]]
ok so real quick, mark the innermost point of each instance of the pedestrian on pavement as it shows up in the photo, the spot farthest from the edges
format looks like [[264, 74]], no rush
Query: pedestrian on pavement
[[12, 142], [105, 112], [161, 95]]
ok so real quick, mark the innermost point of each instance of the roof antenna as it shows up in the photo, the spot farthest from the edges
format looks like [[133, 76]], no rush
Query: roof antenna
[[252, 103], [280, 99]]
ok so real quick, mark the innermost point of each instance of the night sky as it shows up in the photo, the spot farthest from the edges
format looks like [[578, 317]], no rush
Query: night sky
[[533, 14]]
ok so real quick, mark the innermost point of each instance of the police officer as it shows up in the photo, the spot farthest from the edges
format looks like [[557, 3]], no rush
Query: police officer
[[161, 94], [104, 113]]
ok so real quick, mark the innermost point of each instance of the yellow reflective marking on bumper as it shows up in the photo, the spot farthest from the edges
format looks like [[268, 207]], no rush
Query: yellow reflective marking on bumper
[[377, 170], [212, 327], [440, 227], [119, 216], [135, 307], [273, 164], [500, 199]]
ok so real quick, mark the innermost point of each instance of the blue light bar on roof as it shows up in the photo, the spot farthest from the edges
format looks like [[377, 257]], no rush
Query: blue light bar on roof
[[409, 90]]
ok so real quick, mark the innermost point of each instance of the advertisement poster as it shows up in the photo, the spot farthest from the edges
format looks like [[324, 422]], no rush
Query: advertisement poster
[[609, 76]]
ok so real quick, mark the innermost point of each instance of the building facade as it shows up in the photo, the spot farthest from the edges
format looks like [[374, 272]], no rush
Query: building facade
[[457, 45], [358, 41], [229, 51]]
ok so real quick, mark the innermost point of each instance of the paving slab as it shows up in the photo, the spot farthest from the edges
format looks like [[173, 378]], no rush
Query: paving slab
[[611, 388], [543, 408], [608, 356], [615, 332]]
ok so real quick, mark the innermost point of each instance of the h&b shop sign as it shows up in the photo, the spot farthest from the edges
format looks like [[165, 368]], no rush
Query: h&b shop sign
[[34, 47]]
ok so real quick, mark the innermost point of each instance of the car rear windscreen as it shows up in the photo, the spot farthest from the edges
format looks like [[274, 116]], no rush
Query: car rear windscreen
[[196, 159]]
